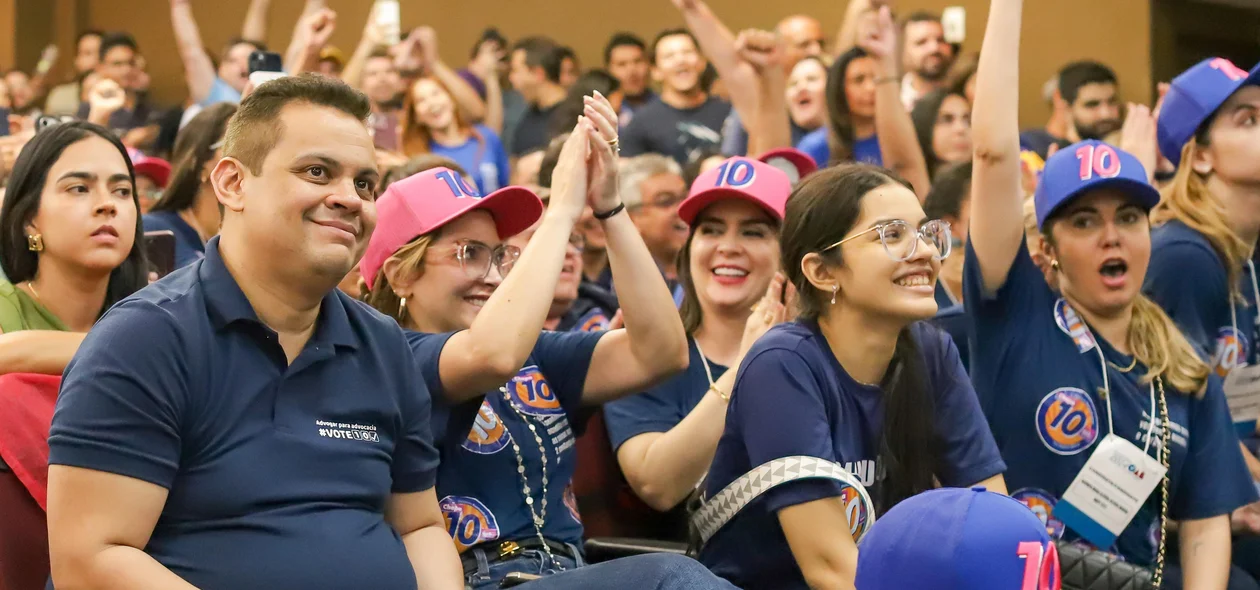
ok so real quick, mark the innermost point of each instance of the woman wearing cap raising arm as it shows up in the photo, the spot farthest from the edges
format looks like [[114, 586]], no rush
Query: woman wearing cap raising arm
[[1208, 223], [1101, 374], [665, 437], [508, 396]]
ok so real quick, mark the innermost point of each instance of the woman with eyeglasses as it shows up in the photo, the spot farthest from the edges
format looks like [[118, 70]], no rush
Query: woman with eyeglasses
[[188, 207], [664, 438], [69, 230], [1086, 376], [858, 380], [509, 396]]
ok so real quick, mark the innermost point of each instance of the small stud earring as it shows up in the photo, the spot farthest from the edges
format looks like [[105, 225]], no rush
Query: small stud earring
[[1054, 264], [402, 307], [35, 242], [834, 289]]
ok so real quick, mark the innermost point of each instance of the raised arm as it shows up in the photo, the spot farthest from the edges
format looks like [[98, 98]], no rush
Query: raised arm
[[653, 345], [486, 67], [312, 33], [996, 229], [663, 467], [770, 127], [466, 98], [199, 71], [717, 43], [255, 26], [495, 347], [38, 351], [373, 37], [898, 144], [847, 36]]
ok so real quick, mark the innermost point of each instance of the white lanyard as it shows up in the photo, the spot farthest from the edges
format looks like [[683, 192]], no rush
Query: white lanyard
[[1102, 362], [1233, 312], [704, 361]]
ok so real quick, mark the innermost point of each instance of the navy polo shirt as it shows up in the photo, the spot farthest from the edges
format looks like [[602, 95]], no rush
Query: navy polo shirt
[[792, 397], [278, 474], [660, 408], [1188, 279], [1040, 387], [188, 245], [479, 483]]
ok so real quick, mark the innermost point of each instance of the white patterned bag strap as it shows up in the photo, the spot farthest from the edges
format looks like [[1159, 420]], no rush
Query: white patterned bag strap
[[721, 508]]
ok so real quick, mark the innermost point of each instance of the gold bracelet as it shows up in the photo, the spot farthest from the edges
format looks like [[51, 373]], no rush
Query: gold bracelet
[[726, 397]]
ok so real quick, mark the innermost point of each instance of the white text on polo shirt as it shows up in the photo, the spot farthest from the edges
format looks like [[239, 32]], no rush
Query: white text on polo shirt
[[341, 430]]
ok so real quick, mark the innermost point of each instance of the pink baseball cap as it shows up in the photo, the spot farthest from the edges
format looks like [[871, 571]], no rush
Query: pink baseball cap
[[424, 202], [738, 178], [793, 162]]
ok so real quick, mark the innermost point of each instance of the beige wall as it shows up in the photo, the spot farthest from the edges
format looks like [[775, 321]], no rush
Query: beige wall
[[1114, 31]]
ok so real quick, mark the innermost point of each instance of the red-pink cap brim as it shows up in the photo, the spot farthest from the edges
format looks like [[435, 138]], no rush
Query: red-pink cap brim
[[696, 203]]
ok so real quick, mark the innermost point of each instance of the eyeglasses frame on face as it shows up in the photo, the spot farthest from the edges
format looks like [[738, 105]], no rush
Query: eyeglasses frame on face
[[500, 252], [942, 253]]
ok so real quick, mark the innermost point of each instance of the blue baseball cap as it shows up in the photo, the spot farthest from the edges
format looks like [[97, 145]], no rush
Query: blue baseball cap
[[1087, 166], [953, 539], [1193, 97]]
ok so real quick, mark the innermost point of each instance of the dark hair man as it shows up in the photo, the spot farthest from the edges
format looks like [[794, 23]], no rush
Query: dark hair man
[[534, 70], [625, 57], [925, 56], [276, 428], [686, 119], [1087, 95], [64, 98], [114, 101]]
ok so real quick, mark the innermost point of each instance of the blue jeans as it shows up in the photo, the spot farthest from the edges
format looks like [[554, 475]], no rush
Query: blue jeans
[[657, 571], [529, 561]]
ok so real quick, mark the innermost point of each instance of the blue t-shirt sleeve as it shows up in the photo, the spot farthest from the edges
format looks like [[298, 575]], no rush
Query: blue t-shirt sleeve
[[500, 160], [968, 453], [121, 404], [221, 91], [564, 359], [780, 411], [658, 409], [1215, 480], [415, 461], [1187, 280], [815, 145], [427, 350], [633, 138]]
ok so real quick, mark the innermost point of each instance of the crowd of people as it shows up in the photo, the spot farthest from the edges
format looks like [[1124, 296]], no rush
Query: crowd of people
[[791, 309]]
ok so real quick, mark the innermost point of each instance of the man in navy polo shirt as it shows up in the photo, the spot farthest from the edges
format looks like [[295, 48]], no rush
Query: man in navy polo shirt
[[242, 423]]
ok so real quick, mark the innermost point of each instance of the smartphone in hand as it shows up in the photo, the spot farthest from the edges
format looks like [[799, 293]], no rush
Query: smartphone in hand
[[159, 248], [265, 66]]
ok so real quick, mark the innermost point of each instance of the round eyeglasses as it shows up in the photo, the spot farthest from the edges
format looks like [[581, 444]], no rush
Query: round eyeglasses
[[475, 258], [901, 241]]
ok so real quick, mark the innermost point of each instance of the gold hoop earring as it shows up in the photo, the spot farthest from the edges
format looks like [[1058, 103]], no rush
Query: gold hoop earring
[[402, 307], [35, 242], [834, 289]]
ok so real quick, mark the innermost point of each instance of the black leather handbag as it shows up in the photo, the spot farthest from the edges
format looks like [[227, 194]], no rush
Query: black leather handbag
[[1088, 569]]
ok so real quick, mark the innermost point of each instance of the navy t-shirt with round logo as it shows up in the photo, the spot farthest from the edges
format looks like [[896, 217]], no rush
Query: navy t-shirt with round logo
[[478, 481], [1039, 378], [792, 397]]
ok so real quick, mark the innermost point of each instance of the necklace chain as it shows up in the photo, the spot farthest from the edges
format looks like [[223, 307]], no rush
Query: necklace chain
[[30, 285], [1131, 366], [1163, 504], [540, 517]]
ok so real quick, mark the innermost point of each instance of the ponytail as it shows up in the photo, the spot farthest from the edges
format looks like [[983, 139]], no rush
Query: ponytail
[[1164, 350], [907, 445], [1188, 200]]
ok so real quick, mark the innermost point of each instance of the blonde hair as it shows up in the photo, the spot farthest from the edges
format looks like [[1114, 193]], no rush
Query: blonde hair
[[381, 297], [1158, 344], [1188, 200]]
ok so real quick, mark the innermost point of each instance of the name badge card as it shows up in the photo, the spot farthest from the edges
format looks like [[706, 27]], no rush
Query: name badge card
[[1242, 392], [1109, 491]]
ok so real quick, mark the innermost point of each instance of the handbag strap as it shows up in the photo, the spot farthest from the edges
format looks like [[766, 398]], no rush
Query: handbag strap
[[716, 512]]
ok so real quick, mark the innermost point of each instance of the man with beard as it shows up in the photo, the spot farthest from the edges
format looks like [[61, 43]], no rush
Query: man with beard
[[926, 57], [686, 120], [1087, 100]]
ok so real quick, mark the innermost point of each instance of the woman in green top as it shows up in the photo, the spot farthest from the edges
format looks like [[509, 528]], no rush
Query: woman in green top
[[69, 244]]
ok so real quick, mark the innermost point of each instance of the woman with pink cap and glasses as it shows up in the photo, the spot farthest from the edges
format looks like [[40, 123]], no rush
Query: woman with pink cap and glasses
[[665, 437], [509, 398]]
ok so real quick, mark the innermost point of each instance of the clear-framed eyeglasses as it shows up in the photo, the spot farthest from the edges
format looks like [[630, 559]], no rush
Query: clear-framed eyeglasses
[[475, 258], [901, 241]]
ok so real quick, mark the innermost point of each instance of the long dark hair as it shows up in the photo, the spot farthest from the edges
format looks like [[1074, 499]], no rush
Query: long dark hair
[[924, 115], [820, 212], [840, 117], [22, 201], [192, 151]]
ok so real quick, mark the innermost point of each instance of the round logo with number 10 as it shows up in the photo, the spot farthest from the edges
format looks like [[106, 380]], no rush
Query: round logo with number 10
[[1067, 421]]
